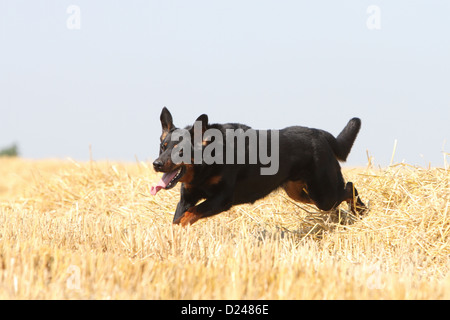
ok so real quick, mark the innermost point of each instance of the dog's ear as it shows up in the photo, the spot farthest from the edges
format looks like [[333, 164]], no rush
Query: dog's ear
[[203, 120], [166, 120]]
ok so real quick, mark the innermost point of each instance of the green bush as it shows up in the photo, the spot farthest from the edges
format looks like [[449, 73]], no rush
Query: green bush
[[12, 151]]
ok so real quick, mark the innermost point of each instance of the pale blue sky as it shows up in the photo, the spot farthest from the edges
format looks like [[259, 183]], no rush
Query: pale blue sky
[[268, 64]]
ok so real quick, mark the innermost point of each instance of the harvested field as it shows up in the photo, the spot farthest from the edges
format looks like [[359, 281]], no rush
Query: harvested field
[[91, 230]]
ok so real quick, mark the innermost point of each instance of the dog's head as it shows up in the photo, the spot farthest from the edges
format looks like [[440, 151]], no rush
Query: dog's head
[[174, 171]]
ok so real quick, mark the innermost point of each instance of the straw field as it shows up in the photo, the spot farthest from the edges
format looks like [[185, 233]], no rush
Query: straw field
[[91, 230]]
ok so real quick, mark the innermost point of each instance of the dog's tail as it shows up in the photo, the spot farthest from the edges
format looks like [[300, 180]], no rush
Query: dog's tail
[[344, 141]]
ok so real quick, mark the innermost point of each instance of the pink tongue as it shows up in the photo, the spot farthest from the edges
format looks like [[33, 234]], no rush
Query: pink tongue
[[163, 182]]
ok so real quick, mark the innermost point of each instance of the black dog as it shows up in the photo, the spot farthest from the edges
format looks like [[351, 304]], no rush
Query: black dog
[[308, 169]]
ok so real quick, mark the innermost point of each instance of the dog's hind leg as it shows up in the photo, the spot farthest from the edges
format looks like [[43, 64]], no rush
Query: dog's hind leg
[[351, 196], [325, 187], [296, 190]]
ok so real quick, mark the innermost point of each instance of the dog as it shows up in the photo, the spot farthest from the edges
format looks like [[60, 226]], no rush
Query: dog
[[308, 167]]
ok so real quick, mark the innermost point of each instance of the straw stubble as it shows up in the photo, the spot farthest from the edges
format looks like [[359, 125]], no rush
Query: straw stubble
[[72, 230]]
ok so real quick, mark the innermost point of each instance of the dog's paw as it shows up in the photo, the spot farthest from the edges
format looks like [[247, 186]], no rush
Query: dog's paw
[[189, 217]]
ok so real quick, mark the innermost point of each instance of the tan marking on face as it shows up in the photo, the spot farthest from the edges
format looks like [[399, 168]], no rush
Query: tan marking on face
[[189, 175]]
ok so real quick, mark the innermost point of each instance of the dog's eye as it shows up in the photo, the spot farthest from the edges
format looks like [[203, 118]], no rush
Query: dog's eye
[[163, 146]]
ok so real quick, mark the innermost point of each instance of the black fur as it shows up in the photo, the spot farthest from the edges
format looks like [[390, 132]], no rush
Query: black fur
[[309, 171]]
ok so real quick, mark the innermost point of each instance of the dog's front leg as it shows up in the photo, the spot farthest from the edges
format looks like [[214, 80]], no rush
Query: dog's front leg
[[209, 207], [188, 198]]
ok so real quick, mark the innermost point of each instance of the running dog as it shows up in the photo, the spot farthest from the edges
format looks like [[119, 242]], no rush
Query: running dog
[[308, 168]]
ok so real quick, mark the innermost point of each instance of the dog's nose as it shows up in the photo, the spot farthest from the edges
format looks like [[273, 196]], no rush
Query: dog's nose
[[157, 164]]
